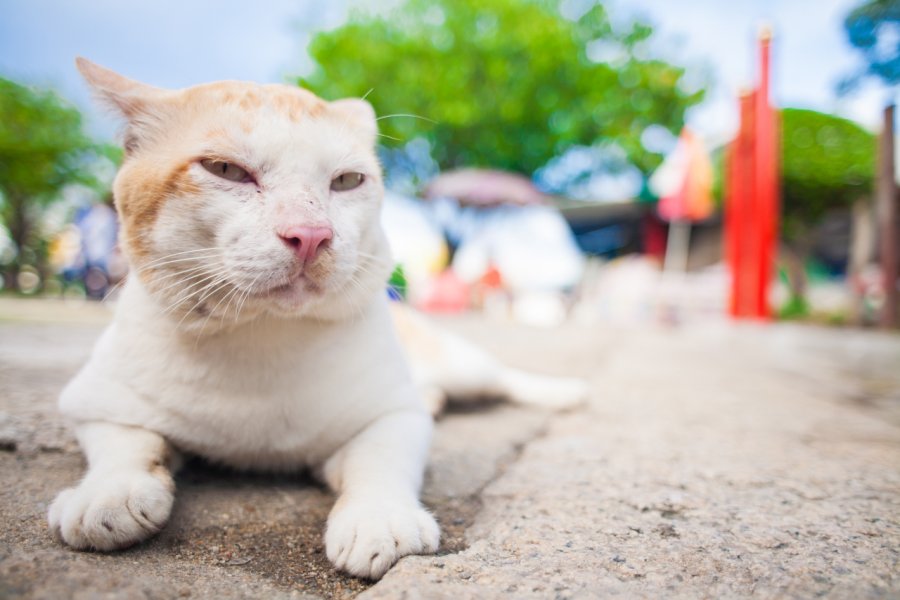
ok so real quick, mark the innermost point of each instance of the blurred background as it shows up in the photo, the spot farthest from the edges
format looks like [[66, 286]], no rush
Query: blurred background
[[547, 161]]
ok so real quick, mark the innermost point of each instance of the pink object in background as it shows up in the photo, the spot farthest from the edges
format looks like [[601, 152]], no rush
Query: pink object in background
[[687, 181], [446, 293], [485, 187], [684, 184]]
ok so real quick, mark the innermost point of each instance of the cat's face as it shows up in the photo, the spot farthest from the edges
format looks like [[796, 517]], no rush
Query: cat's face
[[238, 198]]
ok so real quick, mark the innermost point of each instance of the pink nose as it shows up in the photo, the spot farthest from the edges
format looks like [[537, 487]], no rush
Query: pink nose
[[306, 241]]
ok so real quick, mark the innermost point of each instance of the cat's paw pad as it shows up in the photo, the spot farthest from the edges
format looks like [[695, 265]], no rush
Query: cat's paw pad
[[366, 538], [112, 511]]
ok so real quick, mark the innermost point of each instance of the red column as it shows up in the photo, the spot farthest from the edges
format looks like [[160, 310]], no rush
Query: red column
[[751, 219], [739, 213], [766, 184]]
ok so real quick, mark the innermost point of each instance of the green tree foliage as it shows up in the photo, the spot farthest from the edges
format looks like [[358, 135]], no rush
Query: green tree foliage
[[827, 163], [873, 28], [508, 83], [42, 149]]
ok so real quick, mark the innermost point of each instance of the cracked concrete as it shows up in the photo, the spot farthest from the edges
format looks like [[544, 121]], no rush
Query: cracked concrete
[[721, 461]]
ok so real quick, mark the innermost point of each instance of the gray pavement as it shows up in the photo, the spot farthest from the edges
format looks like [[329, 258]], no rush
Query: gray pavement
[[719, 461]]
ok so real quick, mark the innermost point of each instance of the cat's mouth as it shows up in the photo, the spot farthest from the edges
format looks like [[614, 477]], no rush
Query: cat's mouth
[[294, 290]]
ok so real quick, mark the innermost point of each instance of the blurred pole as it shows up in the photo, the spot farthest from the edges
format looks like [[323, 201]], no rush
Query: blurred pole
[[886, 193], [862, 249], [766, 184], [678, 243], [739, 215], [752, 202]]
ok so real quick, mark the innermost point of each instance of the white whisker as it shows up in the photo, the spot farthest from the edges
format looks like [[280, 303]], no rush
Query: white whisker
[[376, 259], [246, 296], [230, 294], [208, 275], [201, 270], [113, 289], [406, 115], [163, 259], [218, 285], [206, 291]]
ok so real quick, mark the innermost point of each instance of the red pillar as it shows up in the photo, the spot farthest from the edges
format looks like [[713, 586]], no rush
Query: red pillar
[[739, 214], [766, 181], [752, 202]]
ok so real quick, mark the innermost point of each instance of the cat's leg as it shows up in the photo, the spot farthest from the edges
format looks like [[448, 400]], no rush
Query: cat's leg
[[433, 397], [378, 517], [465, 372], [546, 391], [446, 365], [126, 495]]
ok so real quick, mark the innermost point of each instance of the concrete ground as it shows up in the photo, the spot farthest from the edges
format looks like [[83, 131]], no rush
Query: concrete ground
[[712, 462]]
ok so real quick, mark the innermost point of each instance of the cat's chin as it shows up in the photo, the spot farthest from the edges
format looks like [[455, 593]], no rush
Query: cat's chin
[[292, 297]]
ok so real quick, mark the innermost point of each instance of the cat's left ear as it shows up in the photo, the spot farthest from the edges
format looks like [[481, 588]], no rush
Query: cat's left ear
[[359, 112]]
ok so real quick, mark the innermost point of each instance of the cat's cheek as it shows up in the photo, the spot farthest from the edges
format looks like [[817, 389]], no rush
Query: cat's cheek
[[350, 227]]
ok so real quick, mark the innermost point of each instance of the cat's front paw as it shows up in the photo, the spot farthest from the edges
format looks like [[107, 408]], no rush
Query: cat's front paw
[[365, 538], [112, 510]]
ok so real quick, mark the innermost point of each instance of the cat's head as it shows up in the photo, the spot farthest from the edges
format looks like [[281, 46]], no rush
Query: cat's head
[[243, 198]]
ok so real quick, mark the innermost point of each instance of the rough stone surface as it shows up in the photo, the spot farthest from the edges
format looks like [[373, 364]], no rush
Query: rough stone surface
[[737, 462], [720, 461]]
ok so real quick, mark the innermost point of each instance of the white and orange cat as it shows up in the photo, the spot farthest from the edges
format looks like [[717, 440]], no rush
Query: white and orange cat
[[255, 330]]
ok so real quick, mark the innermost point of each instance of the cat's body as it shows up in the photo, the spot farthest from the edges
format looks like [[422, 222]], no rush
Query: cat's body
[[255, 330], [267, 394]]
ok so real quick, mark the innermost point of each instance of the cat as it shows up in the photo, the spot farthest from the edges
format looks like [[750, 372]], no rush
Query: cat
[[255, 330]]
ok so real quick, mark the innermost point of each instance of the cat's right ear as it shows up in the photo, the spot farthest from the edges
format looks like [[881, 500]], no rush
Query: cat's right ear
[[360, 112], [141, 104], [129, 97]]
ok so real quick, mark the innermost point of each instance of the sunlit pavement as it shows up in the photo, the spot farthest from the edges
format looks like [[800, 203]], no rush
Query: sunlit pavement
[[712, 461]]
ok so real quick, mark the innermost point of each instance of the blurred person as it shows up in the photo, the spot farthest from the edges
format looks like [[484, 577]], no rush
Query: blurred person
[[99, 226]]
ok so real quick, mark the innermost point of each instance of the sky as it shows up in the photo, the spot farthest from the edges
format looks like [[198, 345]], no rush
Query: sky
[[180, 43]]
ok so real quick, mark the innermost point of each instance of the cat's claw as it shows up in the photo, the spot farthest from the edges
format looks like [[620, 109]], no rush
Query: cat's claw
[[365, 538], [113, 510]]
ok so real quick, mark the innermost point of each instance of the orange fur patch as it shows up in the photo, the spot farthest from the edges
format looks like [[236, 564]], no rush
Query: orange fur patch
[[294, 103], [250, 101], [141, 190]]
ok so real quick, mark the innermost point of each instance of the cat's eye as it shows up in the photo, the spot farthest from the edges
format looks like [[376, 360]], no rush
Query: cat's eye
[[347, 181], [226, 170]]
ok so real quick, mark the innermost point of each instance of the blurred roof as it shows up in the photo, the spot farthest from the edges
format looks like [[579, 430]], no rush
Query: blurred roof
[[485, 187], [586, 214]]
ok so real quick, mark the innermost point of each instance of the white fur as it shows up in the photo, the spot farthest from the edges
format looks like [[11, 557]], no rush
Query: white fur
[[225, 345], [127, 494], [266, 394], [448, 367]]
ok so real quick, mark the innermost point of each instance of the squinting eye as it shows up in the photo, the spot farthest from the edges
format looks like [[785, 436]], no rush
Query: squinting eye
[[226, 170], [347, 181]]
